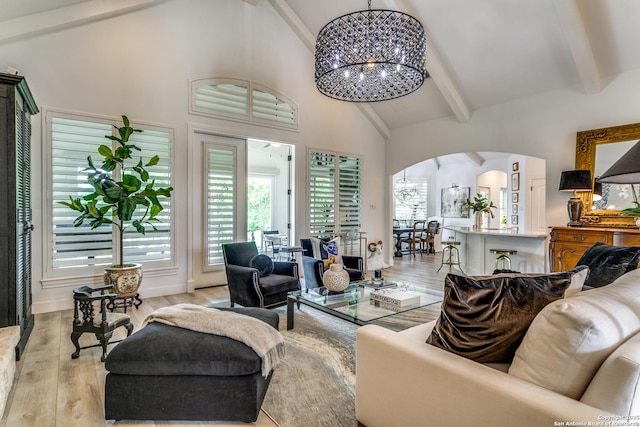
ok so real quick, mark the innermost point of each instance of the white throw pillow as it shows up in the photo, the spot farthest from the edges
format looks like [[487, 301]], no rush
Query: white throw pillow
[[616, 386], [315, 247], [570, 338]]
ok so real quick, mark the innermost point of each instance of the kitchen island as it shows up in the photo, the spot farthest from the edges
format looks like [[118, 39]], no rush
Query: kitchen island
[[475, 247]]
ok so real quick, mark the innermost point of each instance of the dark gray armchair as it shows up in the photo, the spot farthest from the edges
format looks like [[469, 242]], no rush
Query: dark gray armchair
[[250, 287], [313, 268]]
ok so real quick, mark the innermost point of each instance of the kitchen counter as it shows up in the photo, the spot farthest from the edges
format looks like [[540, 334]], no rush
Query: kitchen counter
[[475, 255]]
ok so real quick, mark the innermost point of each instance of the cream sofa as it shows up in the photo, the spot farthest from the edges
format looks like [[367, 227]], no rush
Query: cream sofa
[[579, 362]]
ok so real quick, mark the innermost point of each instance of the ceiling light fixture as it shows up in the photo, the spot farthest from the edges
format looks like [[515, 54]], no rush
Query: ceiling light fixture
[[405, 189], [370, 55]]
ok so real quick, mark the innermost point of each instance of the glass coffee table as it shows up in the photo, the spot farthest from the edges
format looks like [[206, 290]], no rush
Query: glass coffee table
[[355, 303]]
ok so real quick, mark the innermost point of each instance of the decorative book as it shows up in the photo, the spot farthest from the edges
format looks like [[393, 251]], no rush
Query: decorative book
[[395, 298]]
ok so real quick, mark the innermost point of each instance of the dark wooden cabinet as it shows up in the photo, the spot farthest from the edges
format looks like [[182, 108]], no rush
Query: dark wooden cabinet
[[16, 108], [567, 244]]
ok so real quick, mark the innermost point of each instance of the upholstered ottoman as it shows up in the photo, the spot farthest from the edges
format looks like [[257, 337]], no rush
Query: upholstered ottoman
[[164, 372]]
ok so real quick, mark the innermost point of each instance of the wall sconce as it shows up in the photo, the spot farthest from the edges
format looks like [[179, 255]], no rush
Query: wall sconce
[[576, 181]]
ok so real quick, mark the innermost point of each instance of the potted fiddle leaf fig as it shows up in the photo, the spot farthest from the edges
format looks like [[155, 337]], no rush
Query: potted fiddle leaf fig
[[125, 196]]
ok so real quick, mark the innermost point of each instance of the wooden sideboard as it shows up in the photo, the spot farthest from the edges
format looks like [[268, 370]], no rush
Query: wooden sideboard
[[567, 244]]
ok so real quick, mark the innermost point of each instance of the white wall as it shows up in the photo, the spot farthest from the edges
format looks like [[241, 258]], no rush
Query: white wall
[[543, 126], [139, 64]]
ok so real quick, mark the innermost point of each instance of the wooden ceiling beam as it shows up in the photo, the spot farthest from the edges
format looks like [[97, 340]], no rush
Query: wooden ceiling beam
[[575, 31], [66, 17], [437, 71]]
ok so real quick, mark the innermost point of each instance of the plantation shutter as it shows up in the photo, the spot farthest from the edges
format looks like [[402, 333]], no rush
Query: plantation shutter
[[243, 101], [334, 193], [153, 245], [349, 194], [221, 194], [228, 99], [72, 140]]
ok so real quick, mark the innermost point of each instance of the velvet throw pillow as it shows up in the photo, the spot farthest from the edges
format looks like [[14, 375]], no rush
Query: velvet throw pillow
[[606, 263], [484, 318], [262, 263]]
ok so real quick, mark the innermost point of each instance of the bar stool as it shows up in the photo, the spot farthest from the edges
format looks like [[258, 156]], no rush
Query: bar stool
[[450, 250], [503, 257]]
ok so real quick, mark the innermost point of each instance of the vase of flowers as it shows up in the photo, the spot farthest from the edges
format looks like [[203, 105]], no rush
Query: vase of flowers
[[480, 206]]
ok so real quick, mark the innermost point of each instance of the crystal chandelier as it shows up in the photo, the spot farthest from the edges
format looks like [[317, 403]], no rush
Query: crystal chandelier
[[404, 189], [370, 55]]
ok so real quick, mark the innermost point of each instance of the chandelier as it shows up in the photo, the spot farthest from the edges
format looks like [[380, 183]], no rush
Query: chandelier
[[370, 55], [404, 189]]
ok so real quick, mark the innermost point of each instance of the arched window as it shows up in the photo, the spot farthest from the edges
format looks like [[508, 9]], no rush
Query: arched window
[[244, 101]]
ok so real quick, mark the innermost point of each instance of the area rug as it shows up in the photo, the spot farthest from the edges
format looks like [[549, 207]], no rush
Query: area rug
[[315, 385]]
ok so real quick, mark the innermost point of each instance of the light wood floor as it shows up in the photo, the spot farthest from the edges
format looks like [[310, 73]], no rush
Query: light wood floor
[[51, 389]]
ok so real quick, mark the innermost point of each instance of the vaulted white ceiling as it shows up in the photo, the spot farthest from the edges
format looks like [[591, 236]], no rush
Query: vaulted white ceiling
[[479, 52]]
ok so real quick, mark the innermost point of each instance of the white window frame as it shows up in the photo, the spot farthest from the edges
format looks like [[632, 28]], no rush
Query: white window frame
[[60, 277]]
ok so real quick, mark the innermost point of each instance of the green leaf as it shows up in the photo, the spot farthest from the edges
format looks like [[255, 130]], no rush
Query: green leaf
[[126, 207], [125, 120], [131, 184], [113, 192], [154, 161], [105, 151]]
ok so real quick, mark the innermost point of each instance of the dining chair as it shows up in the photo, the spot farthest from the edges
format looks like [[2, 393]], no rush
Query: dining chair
[[415, 238]]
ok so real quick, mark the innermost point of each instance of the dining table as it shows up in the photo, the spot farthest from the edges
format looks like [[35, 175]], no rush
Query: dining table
[[398, 233]]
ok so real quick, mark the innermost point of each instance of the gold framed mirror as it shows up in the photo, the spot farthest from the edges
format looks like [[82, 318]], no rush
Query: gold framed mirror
[[593, 153]]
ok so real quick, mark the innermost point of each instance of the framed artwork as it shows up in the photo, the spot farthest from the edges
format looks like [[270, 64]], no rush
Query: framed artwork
[[514, 197], [451, 202], [515, 181], [515, 166], [514, 209], [514, 219]]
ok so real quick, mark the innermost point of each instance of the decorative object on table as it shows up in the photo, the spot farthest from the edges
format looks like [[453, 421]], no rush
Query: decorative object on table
[[515, 181], [576, 181], [452, 201], [404, 189], [314, 256], [394, 298], [336, 278], [626, 171], [132, 202], [480, 206], [376, 259], [370, 55]]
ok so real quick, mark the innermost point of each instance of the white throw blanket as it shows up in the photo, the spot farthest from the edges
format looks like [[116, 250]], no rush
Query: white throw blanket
[[267, 342]]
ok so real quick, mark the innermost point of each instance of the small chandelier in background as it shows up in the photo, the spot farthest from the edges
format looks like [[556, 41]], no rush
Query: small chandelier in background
[[370, 55], [404, 189]]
